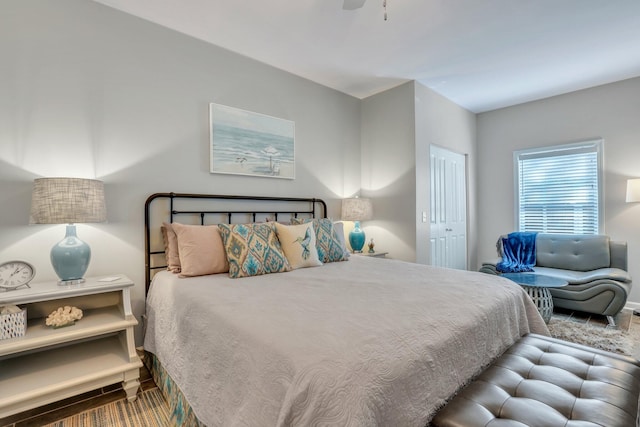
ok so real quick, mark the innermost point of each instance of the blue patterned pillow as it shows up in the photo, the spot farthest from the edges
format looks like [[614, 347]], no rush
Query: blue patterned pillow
[[253, 249], [328, 243]]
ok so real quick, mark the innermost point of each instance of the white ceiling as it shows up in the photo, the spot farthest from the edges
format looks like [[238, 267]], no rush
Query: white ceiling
[[481, 54]]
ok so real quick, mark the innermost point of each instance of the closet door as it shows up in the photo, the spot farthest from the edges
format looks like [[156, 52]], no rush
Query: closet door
[[448, 221]]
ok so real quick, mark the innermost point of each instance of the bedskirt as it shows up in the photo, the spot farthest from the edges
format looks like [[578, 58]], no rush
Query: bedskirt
[[180, 412]]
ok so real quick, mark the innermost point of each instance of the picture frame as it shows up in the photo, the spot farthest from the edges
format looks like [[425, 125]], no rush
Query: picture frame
[[247, 143]]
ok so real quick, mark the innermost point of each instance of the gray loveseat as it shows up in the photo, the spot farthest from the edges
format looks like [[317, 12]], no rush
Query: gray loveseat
[[594, 266]]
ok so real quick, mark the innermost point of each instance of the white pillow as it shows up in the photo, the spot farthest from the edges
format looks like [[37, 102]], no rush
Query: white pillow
[[299, 244]]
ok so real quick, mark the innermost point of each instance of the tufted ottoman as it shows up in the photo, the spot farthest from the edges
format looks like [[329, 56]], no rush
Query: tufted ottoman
[[545, 382]]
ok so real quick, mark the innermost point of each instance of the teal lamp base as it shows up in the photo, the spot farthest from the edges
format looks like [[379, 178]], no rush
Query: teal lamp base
[[356, 238], [70, 258]]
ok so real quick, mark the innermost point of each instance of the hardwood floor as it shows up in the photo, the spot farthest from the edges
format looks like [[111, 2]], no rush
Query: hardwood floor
[[65, 408]]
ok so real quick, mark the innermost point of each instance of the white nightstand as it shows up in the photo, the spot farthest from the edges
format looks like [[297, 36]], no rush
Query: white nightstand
[[47, 365], [373, 255]]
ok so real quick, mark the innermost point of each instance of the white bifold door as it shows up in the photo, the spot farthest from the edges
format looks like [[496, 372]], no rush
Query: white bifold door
[[448, 216]]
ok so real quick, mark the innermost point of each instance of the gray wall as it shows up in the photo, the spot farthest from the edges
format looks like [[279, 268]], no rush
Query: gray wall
[[92, 92], [611, 112], [388, 169], [444, 123], [398, 127]]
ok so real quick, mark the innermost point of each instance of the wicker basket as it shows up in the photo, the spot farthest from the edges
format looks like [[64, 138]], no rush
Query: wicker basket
[[13, 325]]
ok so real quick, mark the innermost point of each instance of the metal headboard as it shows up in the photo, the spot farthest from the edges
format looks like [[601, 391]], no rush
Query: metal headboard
[[224, 208]]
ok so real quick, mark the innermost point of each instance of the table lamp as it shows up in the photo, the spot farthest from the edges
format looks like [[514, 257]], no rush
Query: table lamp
[[68, 201], [356, 209]]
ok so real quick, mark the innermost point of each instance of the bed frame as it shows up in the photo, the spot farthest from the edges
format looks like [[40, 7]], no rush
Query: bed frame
[[211, 208]]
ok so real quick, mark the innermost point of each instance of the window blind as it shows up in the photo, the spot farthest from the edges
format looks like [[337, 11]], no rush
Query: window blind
[[559, 190]]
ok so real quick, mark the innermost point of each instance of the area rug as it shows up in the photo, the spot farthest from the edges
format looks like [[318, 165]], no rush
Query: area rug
[[149, 410], [595, 334]]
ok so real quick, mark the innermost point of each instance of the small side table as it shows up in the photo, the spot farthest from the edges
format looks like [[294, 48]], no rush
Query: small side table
[[537, 287], [372, 254], [47, 364]]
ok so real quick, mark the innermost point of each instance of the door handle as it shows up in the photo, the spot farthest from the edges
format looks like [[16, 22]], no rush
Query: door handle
[[448, 229]]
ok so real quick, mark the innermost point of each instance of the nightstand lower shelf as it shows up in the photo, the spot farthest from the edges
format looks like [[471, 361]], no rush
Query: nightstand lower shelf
[[43, 377]]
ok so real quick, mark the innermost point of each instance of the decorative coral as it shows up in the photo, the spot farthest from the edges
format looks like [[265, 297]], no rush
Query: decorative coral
[[64, 316]]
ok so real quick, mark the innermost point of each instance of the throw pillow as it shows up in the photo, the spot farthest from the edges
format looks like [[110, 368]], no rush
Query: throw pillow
[[299, 244], [338, 231], [253, 249], [328, 243], [170, 247], [200, 249]]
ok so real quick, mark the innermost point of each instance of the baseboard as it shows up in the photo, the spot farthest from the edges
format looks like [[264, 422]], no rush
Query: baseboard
[[635, 306], [630, 305]]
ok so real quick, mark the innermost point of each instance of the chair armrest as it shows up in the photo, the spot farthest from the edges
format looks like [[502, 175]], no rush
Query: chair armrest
[[489, 267], [618, 252]]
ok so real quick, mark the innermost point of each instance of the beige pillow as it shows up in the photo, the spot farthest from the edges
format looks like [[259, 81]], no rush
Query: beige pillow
[[200, 249], [170, 247], [299, 244]]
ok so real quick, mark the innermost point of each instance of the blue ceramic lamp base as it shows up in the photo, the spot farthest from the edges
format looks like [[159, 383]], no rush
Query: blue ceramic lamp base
[[357, 238], [70, 258]]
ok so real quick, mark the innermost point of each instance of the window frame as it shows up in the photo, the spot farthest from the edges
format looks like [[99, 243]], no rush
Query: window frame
[[593, 145]]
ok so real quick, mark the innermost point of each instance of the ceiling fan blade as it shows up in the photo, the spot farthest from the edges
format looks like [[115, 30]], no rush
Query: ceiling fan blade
[[353, 4]]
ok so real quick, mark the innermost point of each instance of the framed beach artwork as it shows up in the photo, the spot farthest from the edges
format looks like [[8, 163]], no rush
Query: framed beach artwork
[[246, 143]]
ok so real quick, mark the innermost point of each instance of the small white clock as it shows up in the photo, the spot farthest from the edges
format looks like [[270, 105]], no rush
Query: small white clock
[[14, 274]]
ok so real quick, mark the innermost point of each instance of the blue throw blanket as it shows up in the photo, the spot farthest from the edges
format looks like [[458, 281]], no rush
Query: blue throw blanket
[[518, 252]]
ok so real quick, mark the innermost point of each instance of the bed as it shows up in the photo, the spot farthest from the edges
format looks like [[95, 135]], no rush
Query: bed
[[360, 342]]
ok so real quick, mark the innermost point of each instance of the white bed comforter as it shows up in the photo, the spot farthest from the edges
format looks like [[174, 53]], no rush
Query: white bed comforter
[[360, 343]]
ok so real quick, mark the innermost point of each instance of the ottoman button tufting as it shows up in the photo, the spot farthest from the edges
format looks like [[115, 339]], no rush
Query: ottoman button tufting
[[546, 382]]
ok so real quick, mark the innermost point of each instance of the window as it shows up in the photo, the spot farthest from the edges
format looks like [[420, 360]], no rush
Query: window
[[559, 189]]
